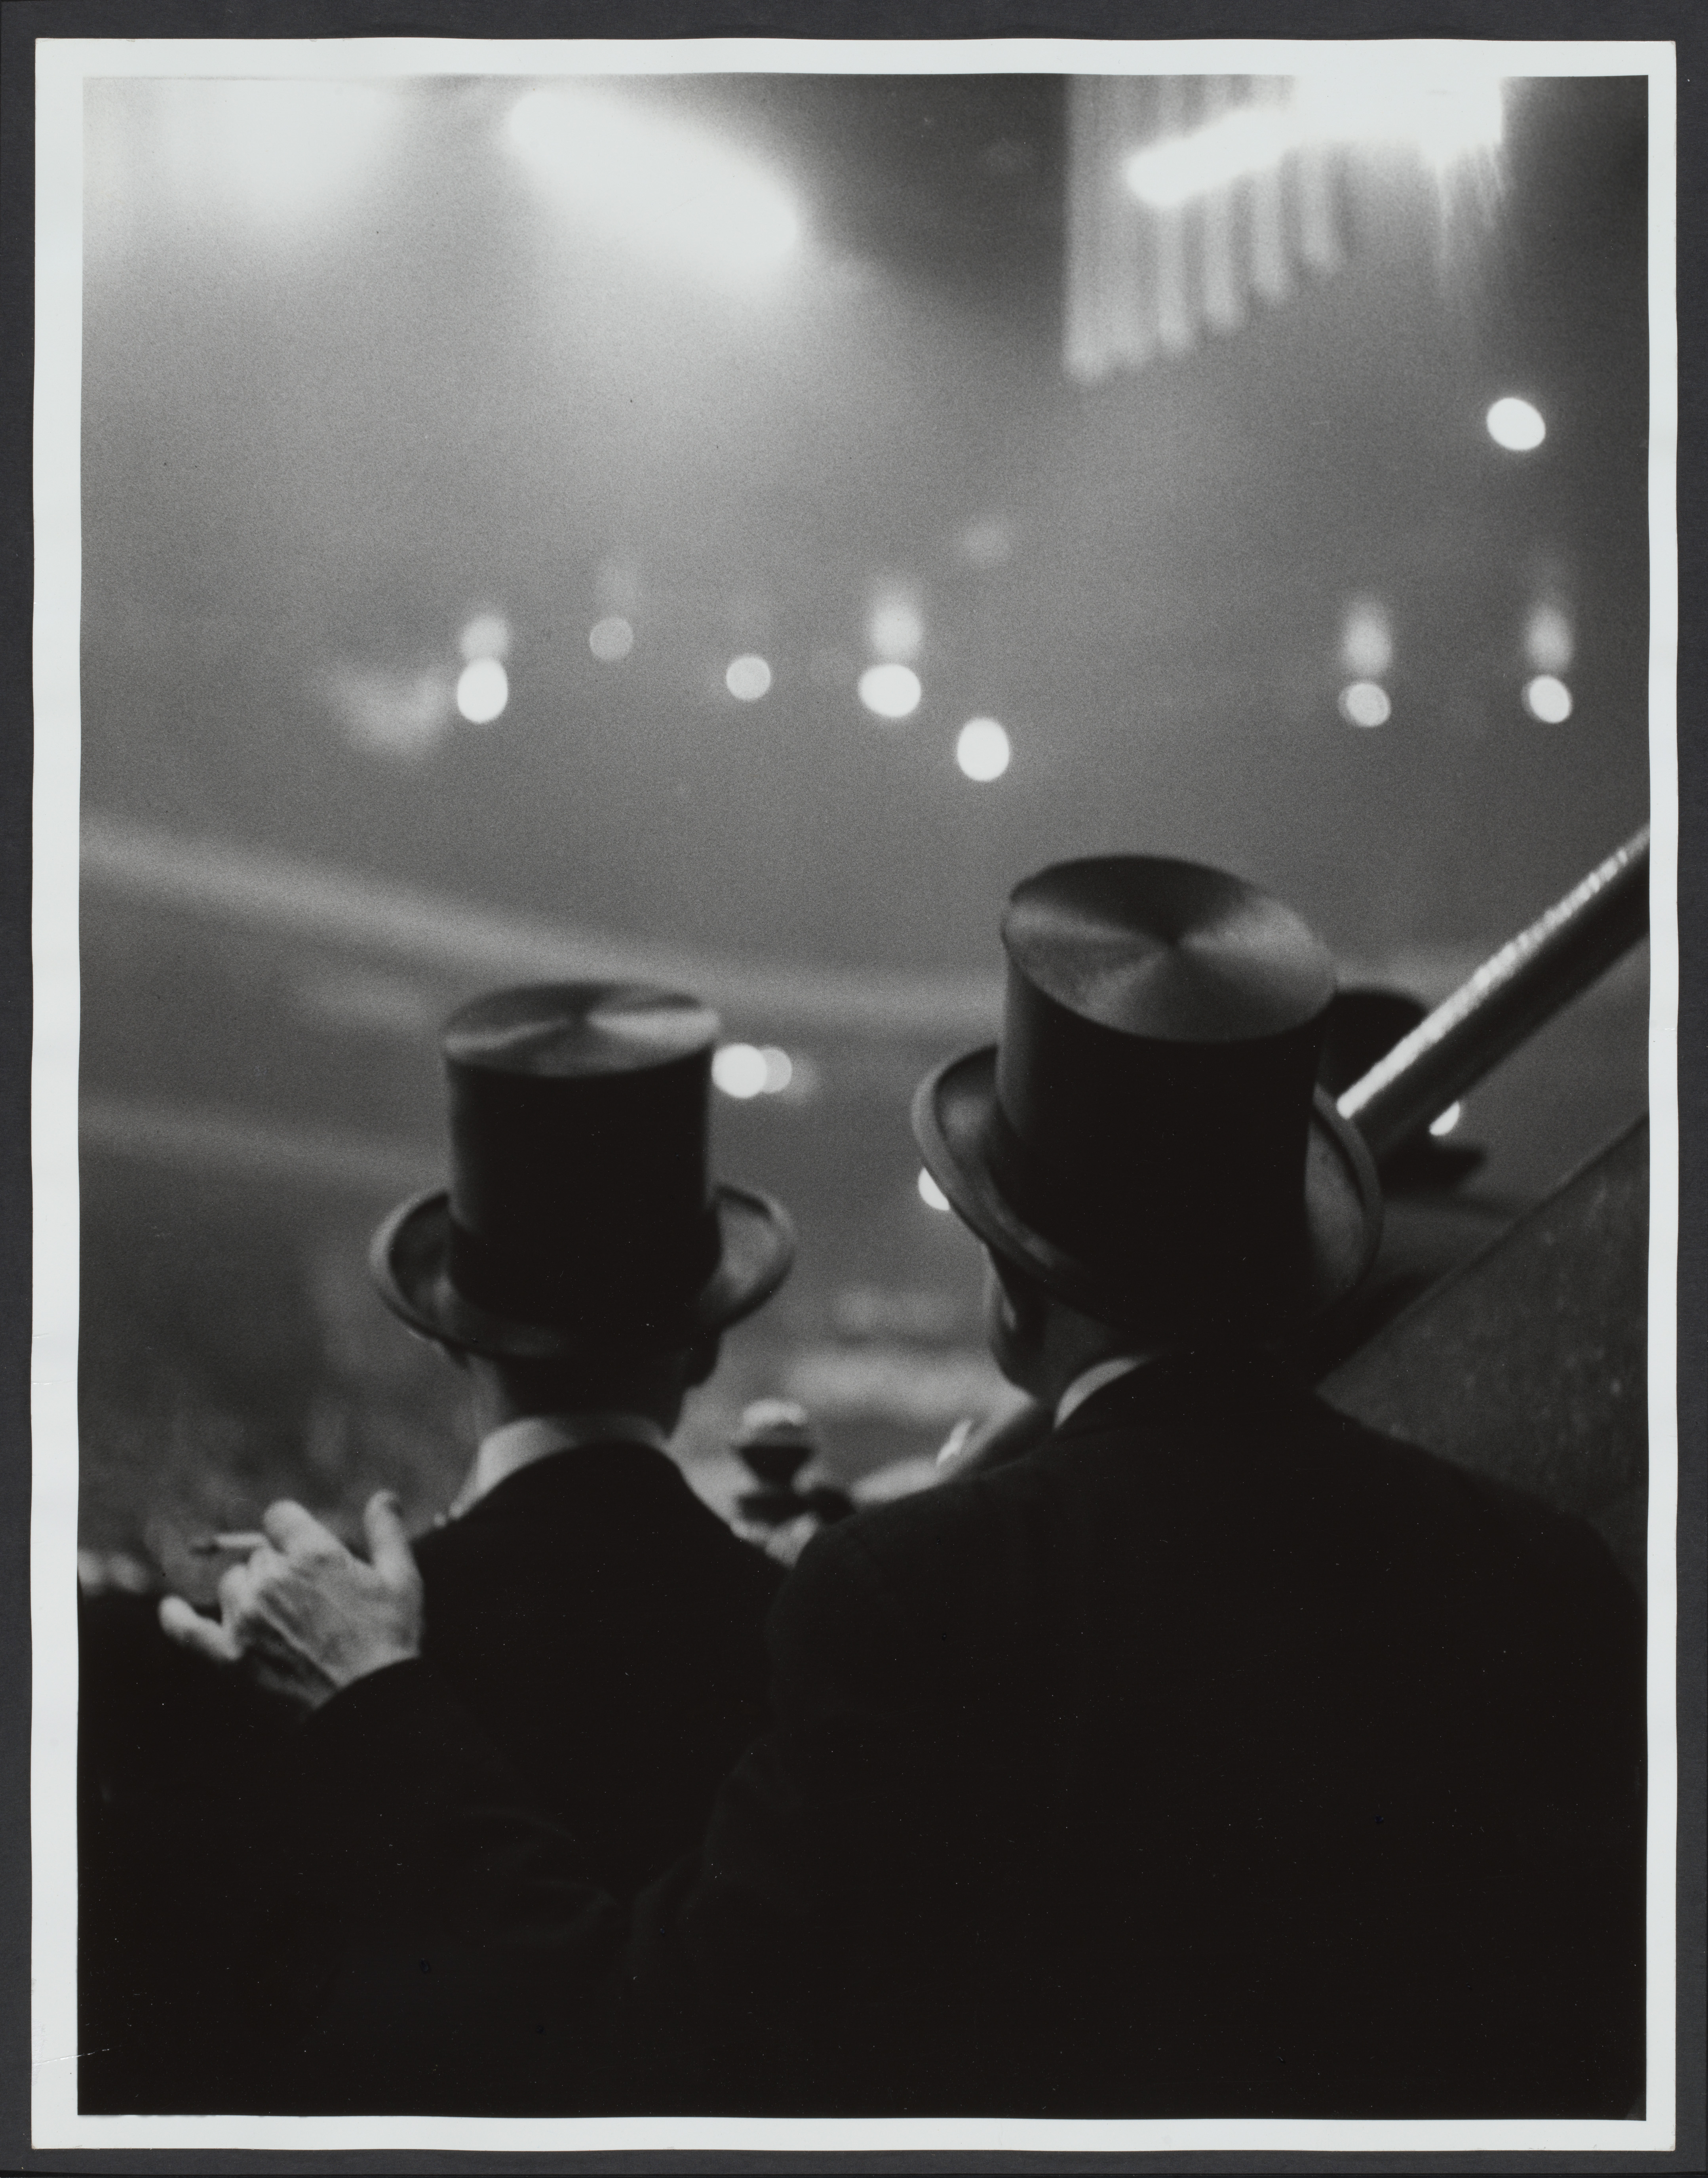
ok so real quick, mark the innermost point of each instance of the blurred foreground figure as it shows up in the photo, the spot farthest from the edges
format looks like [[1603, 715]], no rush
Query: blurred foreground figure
[[1217, 1755], [603, 1624]]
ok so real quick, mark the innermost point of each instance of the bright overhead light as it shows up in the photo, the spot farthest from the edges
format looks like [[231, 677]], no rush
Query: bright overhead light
[[893, 692], [1439, 116], [931, 1194], [1364, 704], [1515, 424], [640, 176], [1444, 1123], [482, 690], [1547, 699], [747, 678], [982, 749]]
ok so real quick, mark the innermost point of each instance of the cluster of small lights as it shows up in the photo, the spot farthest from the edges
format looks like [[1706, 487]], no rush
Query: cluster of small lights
[[748, 677], [931, 1194], [742, 1070]]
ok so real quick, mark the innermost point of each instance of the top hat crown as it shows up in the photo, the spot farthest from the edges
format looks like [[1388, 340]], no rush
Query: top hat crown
[[580, 1210], [1146, 1139]]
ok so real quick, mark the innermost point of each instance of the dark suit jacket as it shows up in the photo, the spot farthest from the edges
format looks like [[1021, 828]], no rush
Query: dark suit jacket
[[608, 1631], [604, 1626], [1220, 1756]]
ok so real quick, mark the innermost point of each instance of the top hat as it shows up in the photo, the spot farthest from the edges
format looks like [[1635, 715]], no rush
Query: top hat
[[581, 1215], [1147, 1140]]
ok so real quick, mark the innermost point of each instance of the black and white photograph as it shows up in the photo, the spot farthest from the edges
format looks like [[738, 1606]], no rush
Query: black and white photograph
[[856, 1148]]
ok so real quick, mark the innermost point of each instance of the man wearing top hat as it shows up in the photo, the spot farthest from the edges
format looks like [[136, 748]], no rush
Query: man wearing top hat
[[601, 1621], [1218, 1756]]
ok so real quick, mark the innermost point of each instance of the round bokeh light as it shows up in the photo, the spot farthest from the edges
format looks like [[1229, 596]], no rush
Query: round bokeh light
[[982, 749], [891, 691], [482, 690], [748, 677], [1515, 424], [1547, 699], [1364, 704], [611, 639], [740, 1069]]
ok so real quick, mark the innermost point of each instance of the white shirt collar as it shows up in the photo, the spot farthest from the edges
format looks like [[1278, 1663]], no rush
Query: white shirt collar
[[518, 1444], [1093, 1379]]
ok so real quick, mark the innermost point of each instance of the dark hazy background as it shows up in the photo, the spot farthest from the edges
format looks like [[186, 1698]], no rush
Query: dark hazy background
[[339, 405]]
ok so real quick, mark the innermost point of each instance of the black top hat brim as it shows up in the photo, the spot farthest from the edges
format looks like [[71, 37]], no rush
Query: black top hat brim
[[410, 1260], [1340, 1233]]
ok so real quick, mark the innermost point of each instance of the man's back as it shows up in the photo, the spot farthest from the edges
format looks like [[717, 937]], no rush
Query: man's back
[[608, 1629], [1221, 1756]]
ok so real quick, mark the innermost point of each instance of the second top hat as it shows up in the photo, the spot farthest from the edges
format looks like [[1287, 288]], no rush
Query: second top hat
[[1146, 1139], [581, 1214]]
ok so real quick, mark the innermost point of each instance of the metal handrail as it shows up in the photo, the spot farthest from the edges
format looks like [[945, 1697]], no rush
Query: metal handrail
[[1509, 998]]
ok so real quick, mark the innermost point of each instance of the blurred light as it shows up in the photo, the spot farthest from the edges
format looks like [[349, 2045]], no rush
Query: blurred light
[[1547, 639], [987, 543], [982, 749], [895, 630], [931, 1194], [740, 1069], [1547, 699], [1514, 424], [893, 692], [1364, 100], [482, 690], [779, 1069], [1364, 704], [1366, 642], [1170, 173], [280, 148], [399, 715], [611, 638], [747, 677], [642, 177], [1444, 1123], [486, 636], [1421, 101]]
